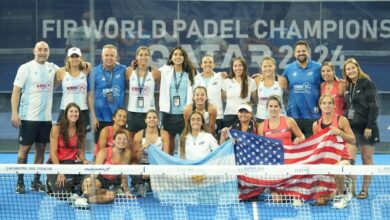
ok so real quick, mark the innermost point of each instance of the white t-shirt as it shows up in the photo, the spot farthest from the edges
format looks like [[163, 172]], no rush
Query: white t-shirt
[[74, 89], [213, 87], [36, 81], [198, 147], [233, 91]]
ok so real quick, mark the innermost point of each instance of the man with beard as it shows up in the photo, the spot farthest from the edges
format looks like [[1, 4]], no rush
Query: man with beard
[[304, 78], [33, 87]]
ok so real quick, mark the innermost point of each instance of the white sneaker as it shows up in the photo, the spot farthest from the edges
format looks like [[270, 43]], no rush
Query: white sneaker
[[297, 202], [340, 201], [72, 198], [348, 189], [80, 203]]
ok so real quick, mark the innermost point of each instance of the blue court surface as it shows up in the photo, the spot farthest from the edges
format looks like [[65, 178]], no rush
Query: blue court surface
[[38, 205]]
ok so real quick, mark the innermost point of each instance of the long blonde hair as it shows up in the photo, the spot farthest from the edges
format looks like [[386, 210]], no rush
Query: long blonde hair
[[361, 74], [187, 129]]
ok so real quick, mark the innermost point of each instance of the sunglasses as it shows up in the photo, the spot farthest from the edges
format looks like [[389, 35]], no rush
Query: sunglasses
[[74, 56]]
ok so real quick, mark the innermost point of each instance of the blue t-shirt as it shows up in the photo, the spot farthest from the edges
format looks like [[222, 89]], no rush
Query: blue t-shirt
[[107, 83], [304, 87], [182, 83]]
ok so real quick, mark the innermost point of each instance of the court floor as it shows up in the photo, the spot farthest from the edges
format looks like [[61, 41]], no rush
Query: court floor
[[40, 206]]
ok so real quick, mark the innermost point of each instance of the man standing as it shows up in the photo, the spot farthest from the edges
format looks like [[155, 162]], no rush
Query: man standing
[[106, 89], [304, 78], [33, 87]]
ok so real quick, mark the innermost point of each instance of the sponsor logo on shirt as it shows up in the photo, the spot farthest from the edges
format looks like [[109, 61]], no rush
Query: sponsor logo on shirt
[[295, 74], [44, 86], [145, 91], [303, 88], [76, 88]]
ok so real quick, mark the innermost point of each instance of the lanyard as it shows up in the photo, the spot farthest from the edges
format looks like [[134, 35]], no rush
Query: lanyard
[[108, 83], [141, 86], [177, 85], [352, 92]]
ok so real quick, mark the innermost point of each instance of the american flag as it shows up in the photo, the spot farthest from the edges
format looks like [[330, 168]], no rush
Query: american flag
[[322, 148]]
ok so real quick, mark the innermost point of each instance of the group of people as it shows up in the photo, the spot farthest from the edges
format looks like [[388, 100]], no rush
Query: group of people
[[191, 105]]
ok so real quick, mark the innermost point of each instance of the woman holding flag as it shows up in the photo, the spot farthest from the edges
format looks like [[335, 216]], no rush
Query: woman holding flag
[[245, 122], [279, 127], [195, 141], [339, 126]]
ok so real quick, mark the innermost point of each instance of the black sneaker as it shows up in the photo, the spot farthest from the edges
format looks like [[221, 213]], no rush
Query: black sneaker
[[37, 186], [20, 188]]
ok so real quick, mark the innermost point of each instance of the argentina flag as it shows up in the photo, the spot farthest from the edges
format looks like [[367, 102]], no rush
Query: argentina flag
[[188, 192]]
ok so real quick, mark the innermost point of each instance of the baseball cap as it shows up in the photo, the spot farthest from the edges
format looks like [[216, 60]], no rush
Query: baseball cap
[[74, 50], [245, 107]]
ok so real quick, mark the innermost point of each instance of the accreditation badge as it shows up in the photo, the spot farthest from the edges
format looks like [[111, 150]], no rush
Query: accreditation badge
[[176, 101], [351, 113], [140, 102]]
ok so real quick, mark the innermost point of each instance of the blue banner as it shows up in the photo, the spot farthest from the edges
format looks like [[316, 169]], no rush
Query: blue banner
[[336, 30]]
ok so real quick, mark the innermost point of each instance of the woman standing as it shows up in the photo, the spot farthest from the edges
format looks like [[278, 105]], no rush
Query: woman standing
[[362, 113], [67, 146], [201, 104], [237, 89], [333, 87], [195, 141], [142, 82], [213, 83], [74, 84], [268, 84], [177, 79]]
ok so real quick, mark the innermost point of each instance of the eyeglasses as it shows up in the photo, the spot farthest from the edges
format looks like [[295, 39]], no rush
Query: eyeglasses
[[74, 56]]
